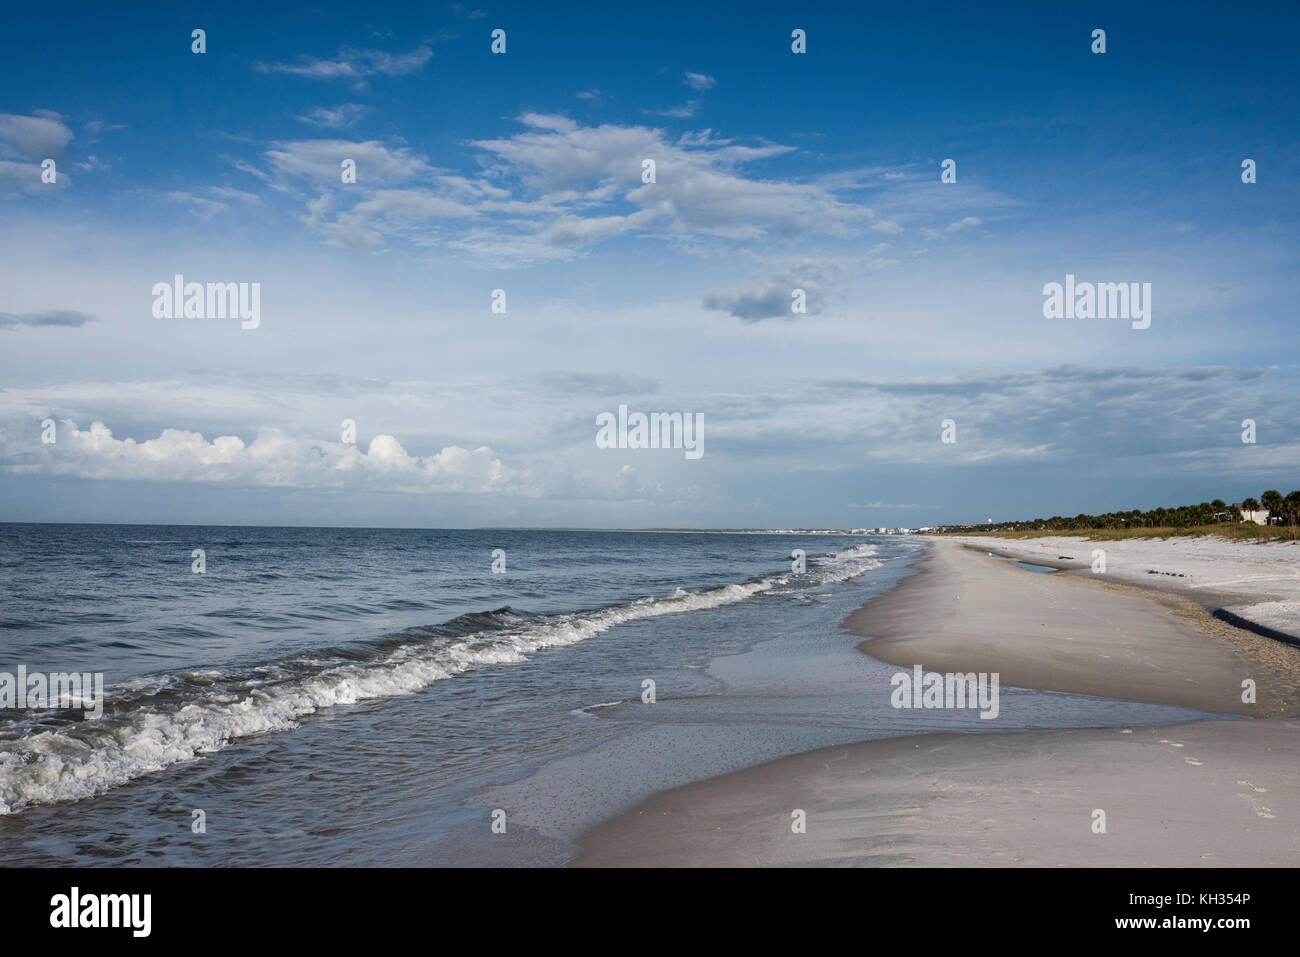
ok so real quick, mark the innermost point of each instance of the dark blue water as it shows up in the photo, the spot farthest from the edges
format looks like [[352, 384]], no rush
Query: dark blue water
[[357, 696]]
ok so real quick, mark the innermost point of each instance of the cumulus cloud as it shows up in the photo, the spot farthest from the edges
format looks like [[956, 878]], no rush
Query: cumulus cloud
[[26, 177], [699, 81], [25, 141], [271, 459], [33, 137], [770, 295], [1089, 421], [753, 305]]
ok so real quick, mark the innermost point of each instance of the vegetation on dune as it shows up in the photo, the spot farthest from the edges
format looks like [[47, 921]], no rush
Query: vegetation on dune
[[1208, 518], [1249, 532]]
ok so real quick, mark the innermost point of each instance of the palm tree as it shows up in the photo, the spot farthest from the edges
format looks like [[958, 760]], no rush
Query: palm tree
[[1292, 502], [1272, 501]]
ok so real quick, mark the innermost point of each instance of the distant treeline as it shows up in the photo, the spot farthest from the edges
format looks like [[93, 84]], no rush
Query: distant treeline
[[1283, 510]]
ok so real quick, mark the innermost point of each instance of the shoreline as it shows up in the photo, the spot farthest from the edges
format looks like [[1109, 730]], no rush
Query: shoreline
[[1207, 792], [1219, 794], [1254, 582], [1058, 633]]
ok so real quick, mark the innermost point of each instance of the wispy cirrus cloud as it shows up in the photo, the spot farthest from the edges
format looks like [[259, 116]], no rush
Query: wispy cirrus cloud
[[463, 12], [354, 64], [554, 188], [212, 200], [337, 118], [683, 112]]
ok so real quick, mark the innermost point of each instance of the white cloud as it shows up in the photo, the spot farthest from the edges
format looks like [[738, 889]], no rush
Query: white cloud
[[685, 111], [752, 305], [699, 81], [272, 459], [27, 177], [95, 127], [466, 13], [353, 64], [554, 187], [320, 161], [698, 192], [205, 207], [33, 137], [335, 119]]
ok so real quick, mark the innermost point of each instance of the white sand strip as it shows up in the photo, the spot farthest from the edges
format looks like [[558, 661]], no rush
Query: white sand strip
[[968, 612], [1263, 577]]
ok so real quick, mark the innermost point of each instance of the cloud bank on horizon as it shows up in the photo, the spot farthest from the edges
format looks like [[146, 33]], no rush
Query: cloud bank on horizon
[[465, 256]]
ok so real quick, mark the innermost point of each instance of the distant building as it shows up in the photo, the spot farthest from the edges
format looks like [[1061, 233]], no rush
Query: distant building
[[1259, 516]]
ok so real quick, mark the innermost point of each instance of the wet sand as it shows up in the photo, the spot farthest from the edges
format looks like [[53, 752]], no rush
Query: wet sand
[[965, 611], [1222, 793], [1208, 793]]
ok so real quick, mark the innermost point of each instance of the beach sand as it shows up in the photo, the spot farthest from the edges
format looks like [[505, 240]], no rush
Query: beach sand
[[1206, 793], [1258, 581], [965, 611]]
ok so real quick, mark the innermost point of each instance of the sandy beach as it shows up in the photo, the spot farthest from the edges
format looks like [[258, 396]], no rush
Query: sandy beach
[[1212, 792], [967, 611], [1257, 582]]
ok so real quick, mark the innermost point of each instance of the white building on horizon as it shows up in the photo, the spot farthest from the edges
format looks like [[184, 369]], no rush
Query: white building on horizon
[[1258, 516]]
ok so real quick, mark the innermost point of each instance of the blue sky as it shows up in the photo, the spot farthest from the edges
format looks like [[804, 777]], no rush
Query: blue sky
[[523, 172]]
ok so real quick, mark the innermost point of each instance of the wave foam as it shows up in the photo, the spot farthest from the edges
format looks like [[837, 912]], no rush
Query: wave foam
[[154, 723]]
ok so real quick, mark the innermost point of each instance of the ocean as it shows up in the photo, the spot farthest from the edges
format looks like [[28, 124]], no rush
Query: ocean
[[330, 696]]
